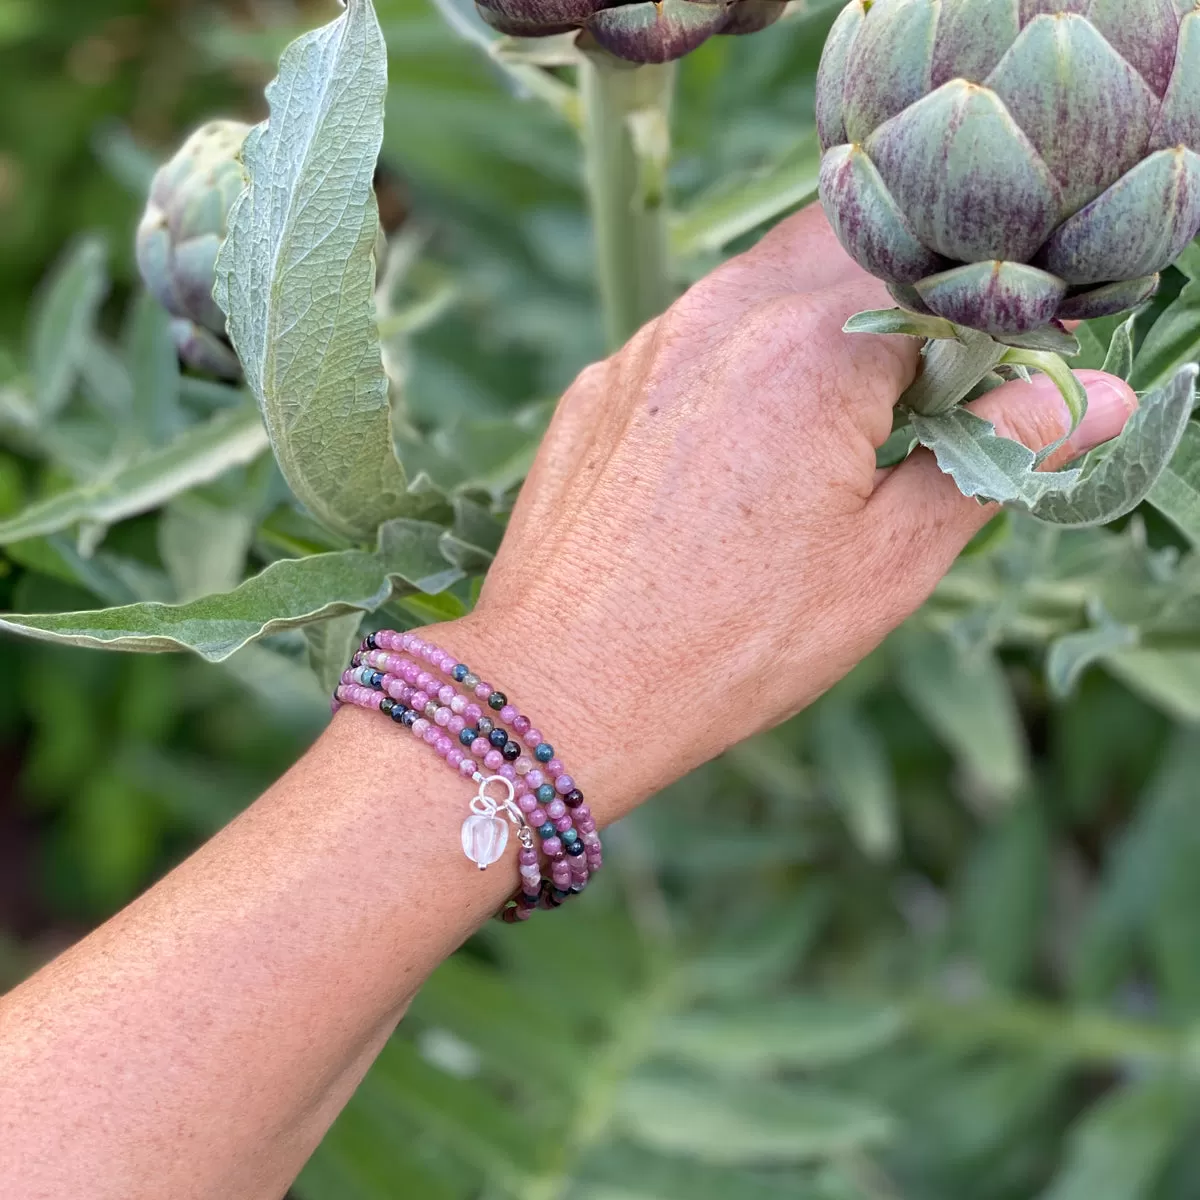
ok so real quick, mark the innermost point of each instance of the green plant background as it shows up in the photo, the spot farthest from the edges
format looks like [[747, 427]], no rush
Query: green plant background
[[938, 938]]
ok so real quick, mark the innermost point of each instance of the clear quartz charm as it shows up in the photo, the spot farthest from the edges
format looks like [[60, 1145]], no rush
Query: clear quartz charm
[[484, 839]]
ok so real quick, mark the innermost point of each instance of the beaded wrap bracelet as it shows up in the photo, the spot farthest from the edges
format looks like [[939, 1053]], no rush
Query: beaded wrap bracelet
[[478, 728]]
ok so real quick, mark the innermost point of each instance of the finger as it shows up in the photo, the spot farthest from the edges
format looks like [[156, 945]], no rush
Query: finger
[[919, 510]]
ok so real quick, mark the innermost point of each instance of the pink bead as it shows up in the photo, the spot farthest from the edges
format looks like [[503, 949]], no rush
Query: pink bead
[[483, 691], [456, 725], [590, 838], [564, 784], [455, 756], [554, 768], [392, 687], [556, 809], [521, 787], [533, 738], [562, 824], [506, 770], [415, 645], [481, 746], [588, 826], [508, 714], [458, 704], [527, 858], [535, 778], [446, 693], [579, 868], [583, 813], [524, 765], [432, 734], [443, 717], [526, 803], [411, 673], [473, 712], [420, 727], [427, 683], [521, 726], [538, 816], [552, 846], [443, 745], [376, 699], [493, 760], [561, 879], [419, 700], [467, 766]]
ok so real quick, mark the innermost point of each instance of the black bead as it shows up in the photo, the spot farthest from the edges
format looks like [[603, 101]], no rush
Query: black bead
[[386, 705], [485, 725], [370, 642], [377, 680], [498, 738], [398, 711], [467, 735], [511, 751], [497, 700], [574, 849], [410, 718], [574, 798]]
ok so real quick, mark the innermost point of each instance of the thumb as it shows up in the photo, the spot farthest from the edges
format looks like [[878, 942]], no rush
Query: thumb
[[919, 505]]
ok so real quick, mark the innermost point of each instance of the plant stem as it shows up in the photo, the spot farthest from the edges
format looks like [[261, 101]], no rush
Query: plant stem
[[626, 137]]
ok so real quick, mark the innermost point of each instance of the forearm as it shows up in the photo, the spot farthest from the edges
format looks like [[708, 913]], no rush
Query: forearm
[[200, 1043]]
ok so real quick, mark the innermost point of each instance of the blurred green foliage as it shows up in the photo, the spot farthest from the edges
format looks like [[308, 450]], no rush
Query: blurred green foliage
[[936, 938]]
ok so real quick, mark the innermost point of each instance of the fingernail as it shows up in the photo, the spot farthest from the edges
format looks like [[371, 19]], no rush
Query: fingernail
[[1110, 405]]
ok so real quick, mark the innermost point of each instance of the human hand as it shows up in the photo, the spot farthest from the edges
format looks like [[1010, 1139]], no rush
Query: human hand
[[704, 544]]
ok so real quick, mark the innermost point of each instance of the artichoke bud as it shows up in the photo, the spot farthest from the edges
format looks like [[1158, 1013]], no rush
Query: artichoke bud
[[641, 32], [1003, 164], [180, 233]]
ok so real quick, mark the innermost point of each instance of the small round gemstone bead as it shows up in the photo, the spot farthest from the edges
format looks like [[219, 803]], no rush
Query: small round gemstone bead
[[369, 641], [523, 764], [446, 694], [590, 838], [538, 816], [443, 745], [483, 690], [470, 680], [419, 727], [398, 711], [543, 752], [555, 767], [442, 717], [521, 725], [582, 812], [526, 803], [532, 738], [473, 712], [574, 798], [480, 746], [564, 784], [497, 700], [454, 756], [458, 704], [546, 831], [386, 705], [563, 824], [556, 809], [493, 760], [431, 734], [527, 858], [409, 718], [554, 847], [460, 672], [508, 714], [546, 793], [570, 837], [456, 725], [498, 738], [486, 726], [506, 770], [575, 848], [467, 766], [432, 709], [419, 700], [467, 735], [511, 752]]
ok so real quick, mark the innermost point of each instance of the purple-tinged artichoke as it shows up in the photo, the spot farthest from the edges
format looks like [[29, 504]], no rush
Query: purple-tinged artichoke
[[1002, 163], [643, 32], [177, 241]]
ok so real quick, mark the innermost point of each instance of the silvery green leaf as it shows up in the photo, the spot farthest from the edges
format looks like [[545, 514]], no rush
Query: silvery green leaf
[[473, 541], [153, 366], [331, 644], [203, 544], [897, 448], [1189, 261], [899, 320], [949, 370], [1171, 342], [62, 324], [289, 594], [1168, 679], [1073, 392], [724, 1123], [1052, 339], [296, 276], [1176, 494], [1119, 359], [740, 205], [1071, 655], [201, 454]]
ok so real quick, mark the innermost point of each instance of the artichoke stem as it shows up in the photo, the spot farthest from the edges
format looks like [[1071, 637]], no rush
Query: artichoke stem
[[626, 135]]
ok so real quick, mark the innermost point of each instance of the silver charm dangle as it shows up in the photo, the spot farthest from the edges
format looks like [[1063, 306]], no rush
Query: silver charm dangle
[[485, 831]]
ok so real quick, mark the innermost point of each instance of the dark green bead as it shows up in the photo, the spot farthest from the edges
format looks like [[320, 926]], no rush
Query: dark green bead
[[485, 726], [570, 837], [386, 706], [498, 738], [545, 793], [511, 751], [547, 830], [468, 735], [544, 752], [497, 700], [460, 672], [575, 849]]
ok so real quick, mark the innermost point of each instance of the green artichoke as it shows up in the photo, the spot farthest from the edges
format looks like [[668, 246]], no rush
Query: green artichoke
[[1003, 163], [643, 32], [180, 234]]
